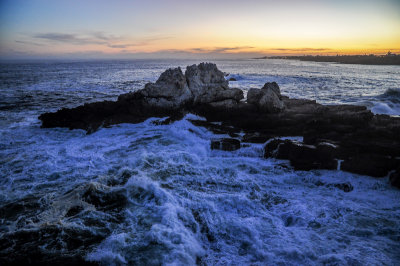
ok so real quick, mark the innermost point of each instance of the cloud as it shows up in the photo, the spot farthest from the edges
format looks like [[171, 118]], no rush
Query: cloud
[[29, 43], [71, 38], [300, 49], [99, 38], [219, 49]]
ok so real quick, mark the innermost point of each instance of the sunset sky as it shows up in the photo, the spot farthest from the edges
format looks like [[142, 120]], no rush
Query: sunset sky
[[202, 28]]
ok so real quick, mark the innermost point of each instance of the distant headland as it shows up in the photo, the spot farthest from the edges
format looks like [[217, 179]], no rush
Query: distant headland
[[371, 59]]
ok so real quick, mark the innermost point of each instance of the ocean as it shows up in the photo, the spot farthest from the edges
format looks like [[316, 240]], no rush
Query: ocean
[[151, 194]]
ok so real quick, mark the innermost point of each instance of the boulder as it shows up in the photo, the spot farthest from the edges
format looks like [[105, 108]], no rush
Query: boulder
[[302, 156], [268, 99], [272, 86], [254, 95], [208, 84]]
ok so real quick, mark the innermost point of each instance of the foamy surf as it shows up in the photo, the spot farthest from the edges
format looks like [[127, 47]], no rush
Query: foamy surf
[[158, 194]]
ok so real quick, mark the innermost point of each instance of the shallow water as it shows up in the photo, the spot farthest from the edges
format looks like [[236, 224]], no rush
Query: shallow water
[[157, 194]]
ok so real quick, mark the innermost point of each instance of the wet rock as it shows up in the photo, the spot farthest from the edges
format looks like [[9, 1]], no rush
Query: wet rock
[[105, 199], [74, 211], [225, 144], [302, 156], [370, 164], [346, 187], [256, 137], [394, 178], [48, 245], [232, 79]]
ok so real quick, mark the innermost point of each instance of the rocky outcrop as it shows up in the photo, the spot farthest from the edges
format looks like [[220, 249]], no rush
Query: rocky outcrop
[[364, 143], [201, 84], [170, 91], [267, 99], [208, 85]]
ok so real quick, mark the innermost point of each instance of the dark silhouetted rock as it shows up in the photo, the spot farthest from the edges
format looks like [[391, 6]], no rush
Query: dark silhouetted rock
[[394, 178], [303, 156], [370, 164], [225, 144], [346, 187]]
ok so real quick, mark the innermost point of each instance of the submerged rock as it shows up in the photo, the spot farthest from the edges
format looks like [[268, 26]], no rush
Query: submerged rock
[[225, 144]]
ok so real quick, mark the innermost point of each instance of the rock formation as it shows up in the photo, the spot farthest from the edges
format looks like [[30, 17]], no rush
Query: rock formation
[[208, 85], [268, 99], [169, 92], [362, 142]]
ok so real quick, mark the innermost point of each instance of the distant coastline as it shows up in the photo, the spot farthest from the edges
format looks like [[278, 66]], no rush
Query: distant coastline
[[388, 59]]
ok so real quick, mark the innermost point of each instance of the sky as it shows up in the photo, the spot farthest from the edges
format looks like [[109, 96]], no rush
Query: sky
[[196, 29]]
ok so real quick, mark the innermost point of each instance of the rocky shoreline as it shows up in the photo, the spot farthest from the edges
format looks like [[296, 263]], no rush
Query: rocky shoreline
[[348, 137]]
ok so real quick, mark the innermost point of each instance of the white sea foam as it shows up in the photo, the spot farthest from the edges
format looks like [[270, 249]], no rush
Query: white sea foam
[[183, 203]]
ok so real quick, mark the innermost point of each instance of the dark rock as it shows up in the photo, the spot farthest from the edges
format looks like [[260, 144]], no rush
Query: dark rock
[[225, 144], [302, 156], [368, 144], [394, 178], [256, 137], [346, 187], [232, 79], [370, 164], [273, 86]]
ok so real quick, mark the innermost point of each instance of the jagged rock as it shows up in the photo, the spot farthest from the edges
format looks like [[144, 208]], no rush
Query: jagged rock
[[225, 144], [268, 99], [208, 84], [169, 91]]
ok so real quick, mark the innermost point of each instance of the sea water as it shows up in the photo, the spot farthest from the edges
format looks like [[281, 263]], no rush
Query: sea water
[[151, 194]]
